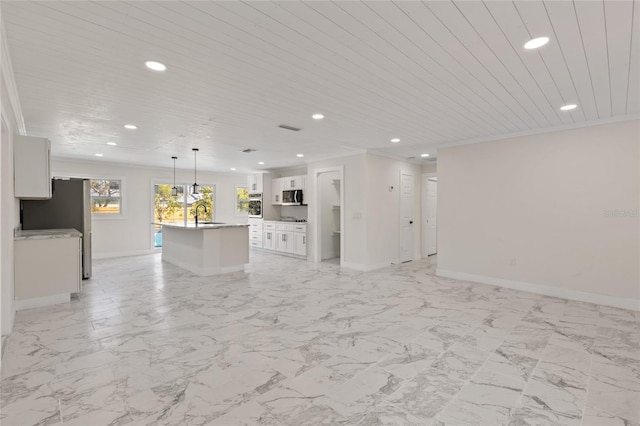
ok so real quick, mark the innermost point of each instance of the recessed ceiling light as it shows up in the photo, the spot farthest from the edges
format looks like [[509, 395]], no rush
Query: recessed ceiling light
[[395, 140], [261, 162], [568, 107], [424, 155], [536, 42], [130, 126], [300, 155], [317, 116], [112, 143], [99, 155], [155, 66], [233, 169]]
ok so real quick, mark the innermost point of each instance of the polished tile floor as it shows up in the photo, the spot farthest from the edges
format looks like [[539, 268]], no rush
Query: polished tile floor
[[295, 343]]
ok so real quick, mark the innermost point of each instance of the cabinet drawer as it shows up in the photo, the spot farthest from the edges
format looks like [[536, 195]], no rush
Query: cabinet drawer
[[284, 227], [255, 231], [257, 237], [270, 226], [300, 228], [257, 244]]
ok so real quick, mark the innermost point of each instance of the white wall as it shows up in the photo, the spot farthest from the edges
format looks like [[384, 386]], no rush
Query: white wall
[[383, 221], [372, 226], [531, 213], [132, 232], [355, 231], [11, 115]]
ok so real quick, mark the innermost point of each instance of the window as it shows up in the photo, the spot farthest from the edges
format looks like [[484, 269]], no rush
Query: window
[[181, 208], [242, 200], [105, 196]]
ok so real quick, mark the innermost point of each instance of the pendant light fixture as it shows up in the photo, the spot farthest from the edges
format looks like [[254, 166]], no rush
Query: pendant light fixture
[[174, 190], [195, 181]]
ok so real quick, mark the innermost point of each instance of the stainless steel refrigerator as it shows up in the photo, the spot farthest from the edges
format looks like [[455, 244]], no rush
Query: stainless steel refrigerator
[[68, 207]]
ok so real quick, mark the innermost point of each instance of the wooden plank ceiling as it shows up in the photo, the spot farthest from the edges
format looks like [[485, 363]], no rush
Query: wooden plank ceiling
[[430, 73]]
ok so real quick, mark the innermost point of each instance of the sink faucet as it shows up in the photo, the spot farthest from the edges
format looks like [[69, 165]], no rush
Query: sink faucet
[[197, 207]]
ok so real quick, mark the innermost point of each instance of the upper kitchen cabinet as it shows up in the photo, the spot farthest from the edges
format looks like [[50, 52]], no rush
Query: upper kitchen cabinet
[[255, 183], [32, 171], [276, 191], [293, 182]]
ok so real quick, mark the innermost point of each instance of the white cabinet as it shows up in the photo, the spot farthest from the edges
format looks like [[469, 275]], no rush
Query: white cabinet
[[300, 244], [32, 171], [47, 266], [255, 183], [293, 182], [269, 239], [276, 191], [284, 241], [255, 232]]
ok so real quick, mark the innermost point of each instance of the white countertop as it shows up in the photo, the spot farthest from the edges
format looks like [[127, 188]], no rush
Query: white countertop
[[202, 226], [43, 234]]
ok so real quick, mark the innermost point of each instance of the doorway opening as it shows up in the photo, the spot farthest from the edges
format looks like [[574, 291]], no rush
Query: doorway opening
[[329, 227], [406, 217], [429, 215]]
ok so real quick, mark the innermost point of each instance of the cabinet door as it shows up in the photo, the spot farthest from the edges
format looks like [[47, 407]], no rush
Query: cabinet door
[[252, 183], [276, 191], [32, 175], [259, 183], [300, 243], [269, 240]]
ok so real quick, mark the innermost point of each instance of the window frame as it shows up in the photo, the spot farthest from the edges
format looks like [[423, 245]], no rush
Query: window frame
[[120, 214], [235, 208]]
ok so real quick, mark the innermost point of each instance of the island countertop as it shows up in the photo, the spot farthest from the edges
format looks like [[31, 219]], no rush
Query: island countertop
[[192, 225]]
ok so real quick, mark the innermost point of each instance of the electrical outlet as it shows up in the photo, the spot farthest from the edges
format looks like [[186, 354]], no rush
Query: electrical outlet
[[512, 261]]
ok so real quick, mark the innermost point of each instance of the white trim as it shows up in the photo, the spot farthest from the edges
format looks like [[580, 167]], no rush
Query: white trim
[[423, 209], [563, 293], [317, 255], [39, 302], [115, 254], [10, 83]]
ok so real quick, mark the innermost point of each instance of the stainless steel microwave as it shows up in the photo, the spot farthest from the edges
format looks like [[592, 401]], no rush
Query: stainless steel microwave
[[292, 198]]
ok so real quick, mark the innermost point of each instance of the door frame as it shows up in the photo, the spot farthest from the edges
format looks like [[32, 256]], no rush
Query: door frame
[[413, 204], [317, 226], [423, 248]]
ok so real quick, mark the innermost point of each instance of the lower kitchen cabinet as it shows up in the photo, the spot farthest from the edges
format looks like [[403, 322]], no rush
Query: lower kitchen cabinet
[[286, 238], [47, 267], [300, 244]]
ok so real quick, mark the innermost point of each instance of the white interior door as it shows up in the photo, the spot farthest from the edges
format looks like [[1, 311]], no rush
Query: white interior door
[[430, 220], [406, 219]]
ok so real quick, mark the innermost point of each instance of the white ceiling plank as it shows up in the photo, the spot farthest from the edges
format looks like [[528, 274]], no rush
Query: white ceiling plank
[[592, 29], [619, 24], [633, 87], [536, 18], [567, 33], [482, 59], [430, 73]]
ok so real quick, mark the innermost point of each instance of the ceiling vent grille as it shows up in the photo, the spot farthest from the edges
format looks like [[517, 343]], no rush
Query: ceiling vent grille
[[284, 126]]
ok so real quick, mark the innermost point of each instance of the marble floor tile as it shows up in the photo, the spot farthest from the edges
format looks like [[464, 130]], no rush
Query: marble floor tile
[[147, 343]]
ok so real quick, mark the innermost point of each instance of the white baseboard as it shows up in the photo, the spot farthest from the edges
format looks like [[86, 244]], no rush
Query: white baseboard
[[38, 302], [563, 293], [112, 255]]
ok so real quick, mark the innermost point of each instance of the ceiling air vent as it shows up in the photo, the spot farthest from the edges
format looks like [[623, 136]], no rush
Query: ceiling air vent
[[248, 150], [284, 126]]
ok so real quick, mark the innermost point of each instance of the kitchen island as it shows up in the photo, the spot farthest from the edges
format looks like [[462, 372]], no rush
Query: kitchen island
[[206, 249]]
